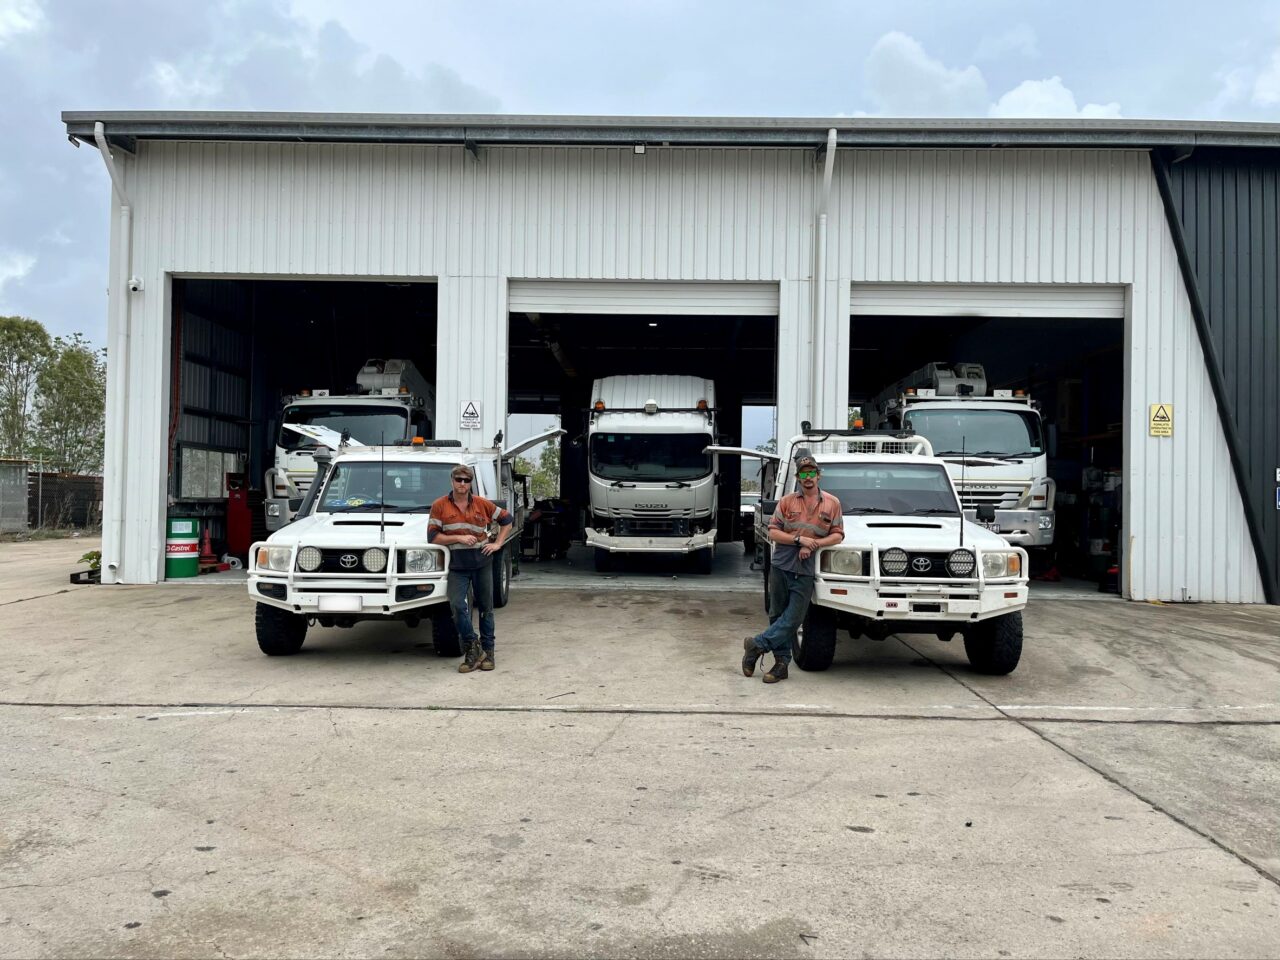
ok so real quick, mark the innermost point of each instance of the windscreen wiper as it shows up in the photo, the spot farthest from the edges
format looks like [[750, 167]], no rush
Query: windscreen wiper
[[923, 511], [621, 483], [412, 508], [355, 508], [676, 485], [857, 510]]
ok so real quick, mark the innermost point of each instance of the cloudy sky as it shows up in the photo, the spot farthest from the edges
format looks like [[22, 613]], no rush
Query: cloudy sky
[[1005, 58]]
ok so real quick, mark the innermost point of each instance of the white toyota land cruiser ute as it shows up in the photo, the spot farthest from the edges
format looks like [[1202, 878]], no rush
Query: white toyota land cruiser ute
[[909, 562]]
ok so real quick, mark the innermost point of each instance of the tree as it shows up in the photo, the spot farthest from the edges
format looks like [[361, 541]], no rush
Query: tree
[[769, 446], [70, 407], [544, 479], [25, 348]]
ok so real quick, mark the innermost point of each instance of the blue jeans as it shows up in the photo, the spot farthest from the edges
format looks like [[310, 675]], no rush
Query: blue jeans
[[789, 595], [481, 581]]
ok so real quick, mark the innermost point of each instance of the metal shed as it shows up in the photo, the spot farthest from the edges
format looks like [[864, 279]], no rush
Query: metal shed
[[1143, 223]]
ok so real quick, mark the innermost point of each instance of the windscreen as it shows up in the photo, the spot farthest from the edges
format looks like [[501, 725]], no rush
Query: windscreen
[[1000, 433], [904, 489], [650, 456], [367, 485], [367, 424]]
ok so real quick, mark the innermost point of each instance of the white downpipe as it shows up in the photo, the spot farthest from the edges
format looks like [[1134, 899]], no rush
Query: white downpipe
[[820, 280], [119, 356]]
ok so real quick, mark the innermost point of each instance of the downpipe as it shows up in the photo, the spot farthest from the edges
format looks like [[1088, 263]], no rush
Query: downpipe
[[119, 357], [820, 279]]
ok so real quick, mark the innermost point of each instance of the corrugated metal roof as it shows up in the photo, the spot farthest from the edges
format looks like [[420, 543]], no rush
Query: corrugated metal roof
[[125, 128], [671, 392]]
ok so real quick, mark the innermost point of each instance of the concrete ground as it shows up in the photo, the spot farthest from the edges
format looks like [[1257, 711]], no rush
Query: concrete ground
[[617, 788]]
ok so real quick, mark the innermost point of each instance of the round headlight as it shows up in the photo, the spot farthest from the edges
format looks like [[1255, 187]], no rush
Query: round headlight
[[960, 563], [847, 563], [994, 564], [309, 559], [894, 562], [374, 560], [420, 561]]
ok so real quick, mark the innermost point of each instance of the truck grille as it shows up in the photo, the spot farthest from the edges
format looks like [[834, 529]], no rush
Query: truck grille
[[331, 560], [937, 569], [1001, 495], [642, 513], [652, 527]]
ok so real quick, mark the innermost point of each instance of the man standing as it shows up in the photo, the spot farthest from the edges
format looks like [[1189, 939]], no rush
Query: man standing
[[803, 522], [461, 520]]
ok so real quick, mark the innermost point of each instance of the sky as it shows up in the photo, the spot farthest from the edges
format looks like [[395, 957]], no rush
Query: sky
[[892, 58]]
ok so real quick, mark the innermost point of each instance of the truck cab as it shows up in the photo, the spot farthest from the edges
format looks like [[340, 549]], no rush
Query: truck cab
[[651, 486]]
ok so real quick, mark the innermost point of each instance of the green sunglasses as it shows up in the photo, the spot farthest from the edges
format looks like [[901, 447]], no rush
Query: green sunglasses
[[806, 474]]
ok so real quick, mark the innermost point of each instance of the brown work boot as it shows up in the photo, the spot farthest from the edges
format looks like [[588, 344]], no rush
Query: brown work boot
[[486, 660], [777, 672], [472, 659], [751, 657]]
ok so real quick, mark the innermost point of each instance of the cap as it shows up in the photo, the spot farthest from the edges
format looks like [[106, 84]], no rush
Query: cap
[[462, 469], [806, 462]]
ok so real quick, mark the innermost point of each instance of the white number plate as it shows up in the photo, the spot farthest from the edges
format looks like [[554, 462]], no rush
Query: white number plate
[[341, 603]]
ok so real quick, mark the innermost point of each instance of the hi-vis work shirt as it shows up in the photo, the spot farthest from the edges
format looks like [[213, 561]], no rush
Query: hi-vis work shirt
[[474, 518], [795, 516]]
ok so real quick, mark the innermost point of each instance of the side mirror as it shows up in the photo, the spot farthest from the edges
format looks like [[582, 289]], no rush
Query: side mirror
[[987, 513], [768, 507]]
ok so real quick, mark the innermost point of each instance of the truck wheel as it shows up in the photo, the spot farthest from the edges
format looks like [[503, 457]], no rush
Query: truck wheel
[[280, 633], [767, 567], [502, 579], [702, 560], [995, 646], [815, 645], [444, 632], [604, 560], [749, 540]]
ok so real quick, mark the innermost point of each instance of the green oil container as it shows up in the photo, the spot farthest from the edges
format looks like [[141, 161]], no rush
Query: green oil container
[[182, 548]]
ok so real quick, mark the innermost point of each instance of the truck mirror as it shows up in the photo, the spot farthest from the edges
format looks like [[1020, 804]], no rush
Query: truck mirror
[[768, 506], [987, 513]]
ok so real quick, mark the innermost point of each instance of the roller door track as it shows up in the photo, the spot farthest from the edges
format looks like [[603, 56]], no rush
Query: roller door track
[[636, 298], [987, 300]]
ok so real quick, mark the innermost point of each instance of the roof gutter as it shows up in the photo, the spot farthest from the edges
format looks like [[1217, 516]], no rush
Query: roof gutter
[[118, 395]]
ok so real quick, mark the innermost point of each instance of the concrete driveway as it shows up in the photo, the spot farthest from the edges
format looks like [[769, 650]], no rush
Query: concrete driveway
[[617, 787]]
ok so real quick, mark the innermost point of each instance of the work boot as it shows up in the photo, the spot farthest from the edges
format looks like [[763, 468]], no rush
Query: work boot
[[777, 672], [486, 660], [751, 657], [472, 659]]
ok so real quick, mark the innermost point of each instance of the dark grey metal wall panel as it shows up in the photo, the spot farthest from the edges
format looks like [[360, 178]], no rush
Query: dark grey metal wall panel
[[1227, 205]]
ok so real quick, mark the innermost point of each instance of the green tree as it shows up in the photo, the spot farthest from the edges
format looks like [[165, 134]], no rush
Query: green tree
[[544, 478], [25, 348], [769, 446], [70, 407]]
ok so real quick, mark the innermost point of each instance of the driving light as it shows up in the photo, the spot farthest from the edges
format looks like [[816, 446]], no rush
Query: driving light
[[421, 561], [894, 562], [1045, 522], [845, 563], [374, 560], [274, 558], [309, 559], [273, 509], [960, 563]]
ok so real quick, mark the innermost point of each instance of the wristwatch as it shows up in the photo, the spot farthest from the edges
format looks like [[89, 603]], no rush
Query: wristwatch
[[797, 539]]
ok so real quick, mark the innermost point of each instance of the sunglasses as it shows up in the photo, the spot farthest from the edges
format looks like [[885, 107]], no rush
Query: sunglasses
[[461, 479], [807, 474]]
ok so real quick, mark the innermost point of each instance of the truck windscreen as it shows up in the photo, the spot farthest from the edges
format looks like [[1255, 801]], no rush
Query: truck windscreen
[[367, 424], [650, 456], [1000, 433], [896, 488], [357, 486]]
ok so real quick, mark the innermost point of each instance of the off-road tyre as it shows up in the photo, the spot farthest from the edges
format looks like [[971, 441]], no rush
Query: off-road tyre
[[995, 646], [815, 643], [444, 632], [749, 540], [280, 633], [703, 559], [502, 578], [604, 560]]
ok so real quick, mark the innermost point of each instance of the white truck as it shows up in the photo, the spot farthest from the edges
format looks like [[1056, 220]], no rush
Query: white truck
[[358, 549], [651, 487], [393, 403], [909, 562], [992, 441]]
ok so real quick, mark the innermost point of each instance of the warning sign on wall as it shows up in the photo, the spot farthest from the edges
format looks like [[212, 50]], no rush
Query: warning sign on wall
[[470, 415], [1162, 419]]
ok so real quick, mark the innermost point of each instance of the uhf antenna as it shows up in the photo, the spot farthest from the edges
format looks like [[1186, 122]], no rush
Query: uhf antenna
[[382, 494], [962, 466]]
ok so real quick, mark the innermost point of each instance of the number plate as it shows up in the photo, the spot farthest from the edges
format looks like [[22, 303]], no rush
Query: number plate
[[341, 603]]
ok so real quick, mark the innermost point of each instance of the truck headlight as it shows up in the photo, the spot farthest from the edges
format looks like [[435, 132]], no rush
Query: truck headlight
[[374, 560], [1045, 522], [273, 509], [274, 558], [421, 561], [998, 564], [845, 563], [1040, 496]]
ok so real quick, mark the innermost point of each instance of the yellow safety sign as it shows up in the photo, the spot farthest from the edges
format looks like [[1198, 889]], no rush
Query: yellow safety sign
[[1162, 419]]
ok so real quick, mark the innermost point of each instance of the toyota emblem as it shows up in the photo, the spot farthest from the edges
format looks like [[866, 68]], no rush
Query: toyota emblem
[[919, 564], [348, 560]]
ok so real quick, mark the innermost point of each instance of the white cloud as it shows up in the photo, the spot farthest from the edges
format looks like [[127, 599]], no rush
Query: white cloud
[[14, 266], [18, 17], [1017, 41], [181, 85], [905, 81], [1266, 88], [1233, 88], [1048, 98]]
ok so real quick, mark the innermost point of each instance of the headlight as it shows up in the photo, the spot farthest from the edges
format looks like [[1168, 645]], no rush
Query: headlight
[[1045, 522], [309, 559], [274, 558], [1040, 496], [421, 561], [1001, 565], [846, 563], [374, 560], [894, 562], [273, 509], [960, 563]]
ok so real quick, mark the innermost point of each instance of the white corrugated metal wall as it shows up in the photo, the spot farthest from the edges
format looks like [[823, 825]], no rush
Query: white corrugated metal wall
[[415, 212]]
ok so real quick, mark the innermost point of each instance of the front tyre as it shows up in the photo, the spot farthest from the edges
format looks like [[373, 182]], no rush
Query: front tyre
[[502, 579], [815, 644], [280, 633], [995, 646]]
